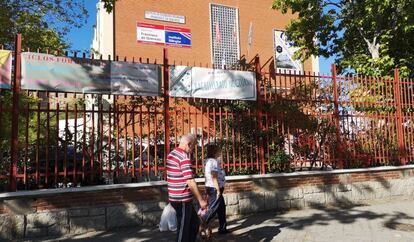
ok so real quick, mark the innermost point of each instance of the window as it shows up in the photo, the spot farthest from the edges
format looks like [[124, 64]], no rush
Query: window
[[224, 24]]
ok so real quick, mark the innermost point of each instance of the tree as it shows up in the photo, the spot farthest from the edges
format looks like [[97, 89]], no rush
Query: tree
[[43, 24], [109, 5], [371, 37]]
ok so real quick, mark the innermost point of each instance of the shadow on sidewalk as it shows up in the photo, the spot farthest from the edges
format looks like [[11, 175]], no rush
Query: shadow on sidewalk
[[252, 228], [262, 226]]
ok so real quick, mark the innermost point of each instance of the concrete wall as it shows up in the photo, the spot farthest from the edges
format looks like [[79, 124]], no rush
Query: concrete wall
[[78, 210]]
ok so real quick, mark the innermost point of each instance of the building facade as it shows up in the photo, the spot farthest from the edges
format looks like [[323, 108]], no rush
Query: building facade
[[202, 32], [103, 39]]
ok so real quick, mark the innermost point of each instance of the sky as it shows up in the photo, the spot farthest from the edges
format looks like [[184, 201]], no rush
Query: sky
[[81, 38], [325, 65]]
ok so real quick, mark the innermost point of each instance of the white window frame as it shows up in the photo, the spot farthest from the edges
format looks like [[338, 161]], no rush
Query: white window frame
[[237, 21]]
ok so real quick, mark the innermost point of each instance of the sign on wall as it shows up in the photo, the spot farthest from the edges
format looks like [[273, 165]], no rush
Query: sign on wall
[[163, 35], [284, 51], [212, 83], [179, 37], [55, 73], [150, 34], [165, 17], [5, 68]]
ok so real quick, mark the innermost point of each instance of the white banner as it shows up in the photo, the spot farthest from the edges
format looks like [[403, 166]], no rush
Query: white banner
[[212, 83], [135, 79], [59, 73], [284, 52], [56, 73]]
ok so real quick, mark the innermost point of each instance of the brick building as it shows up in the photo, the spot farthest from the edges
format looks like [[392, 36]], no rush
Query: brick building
[[195, 32], [202, 32]]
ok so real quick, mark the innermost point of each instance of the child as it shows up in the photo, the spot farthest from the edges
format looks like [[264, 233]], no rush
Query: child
[[215, 180]]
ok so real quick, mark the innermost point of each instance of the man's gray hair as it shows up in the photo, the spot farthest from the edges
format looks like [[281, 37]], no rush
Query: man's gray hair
[[188, 139]]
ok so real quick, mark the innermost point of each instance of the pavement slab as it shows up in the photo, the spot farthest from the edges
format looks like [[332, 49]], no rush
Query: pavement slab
[[377, 222]]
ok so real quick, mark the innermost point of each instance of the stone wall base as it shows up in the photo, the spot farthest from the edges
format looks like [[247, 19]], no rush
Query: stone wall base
[[45, 213]]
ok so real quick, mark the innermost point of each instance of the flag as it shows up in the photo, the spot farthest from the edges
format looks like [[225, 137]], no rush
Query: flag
[[218, 34], [234, 34], [223, 60], [250, 35]]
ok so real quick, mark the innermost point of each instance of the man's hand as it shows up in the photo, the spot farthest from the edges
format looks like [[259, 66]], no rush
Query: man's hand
[[203, 203], [193, 186]]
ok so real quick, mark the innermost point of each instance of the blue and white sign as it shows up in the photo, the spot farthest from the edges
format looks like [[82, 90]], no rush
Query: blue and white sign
[[180, 37], [163, 35]]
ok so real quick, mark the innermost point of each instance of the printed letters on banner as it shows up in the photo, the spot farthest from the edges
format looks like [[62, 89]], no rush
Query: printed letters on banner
[[212, 83], [135, 79], [55, 73]]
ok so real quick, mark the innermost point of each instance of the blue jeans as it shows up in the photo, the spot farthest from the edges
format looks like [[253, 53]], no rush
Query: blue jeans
[[216, 206]]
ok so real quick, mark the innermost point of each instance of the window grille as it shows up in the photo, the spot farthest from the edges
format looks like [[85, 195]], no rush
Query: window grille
[[225, 43]]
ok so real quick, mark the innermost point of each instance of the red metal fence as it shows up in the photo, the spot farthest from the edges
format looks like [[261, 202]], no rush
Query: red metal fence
[[55, 139]]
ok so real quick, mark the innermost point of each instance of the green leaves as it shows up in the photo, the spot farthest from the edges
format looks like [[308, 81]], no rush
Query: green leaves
[[43, 24], [109, 5], [371, 37]]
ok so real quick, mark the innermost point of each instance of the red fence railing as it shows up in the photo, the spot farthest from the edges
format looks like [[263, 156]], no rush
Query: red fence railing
[[299, 121]]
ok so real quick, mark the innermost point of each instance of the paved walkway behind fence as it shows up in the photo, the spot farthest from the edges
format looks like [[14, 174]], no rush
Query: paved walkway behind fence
[[392, 221]]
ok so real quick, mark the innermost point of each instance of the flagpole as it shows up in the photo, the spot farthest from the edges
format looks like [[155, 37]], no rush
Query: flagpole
[[249, 39], [248, 52]]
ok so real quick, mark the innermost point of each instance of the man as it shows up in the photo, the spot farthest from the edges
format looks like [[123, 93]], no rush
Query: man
[[181, 189]]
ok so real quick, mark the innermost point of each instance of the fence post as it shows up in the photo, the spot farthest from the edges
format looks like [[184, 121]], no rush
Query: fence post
[[399, 117], [259, 114], [336, 116], [166, 76], [15, 114]]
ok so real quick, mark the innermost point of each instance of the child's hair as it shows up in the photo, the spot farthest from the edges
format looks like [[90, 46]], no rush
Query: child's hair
[[213, 151]]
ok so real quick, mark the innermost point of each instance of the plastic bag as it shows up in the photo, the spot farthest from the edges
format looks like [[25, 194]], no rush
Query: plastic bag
[[168, 219]]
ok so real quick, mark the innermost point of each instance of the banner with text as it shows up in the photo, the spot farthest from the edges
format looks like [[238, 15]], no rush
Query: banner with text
[[201, 82], [5, 68], [55, 73], [284, 51], [135, 79], [163, 35]]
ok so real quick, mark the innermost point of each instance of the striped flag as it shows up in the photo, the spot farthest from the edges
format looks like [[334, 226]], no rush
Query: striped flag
[[218, 34], [234, 34], [249, 43], [223, 60]]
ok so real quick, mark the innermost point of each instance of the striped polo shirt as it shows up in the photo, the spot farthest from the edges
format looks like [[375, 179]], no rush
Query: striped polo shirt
[[178, 172]]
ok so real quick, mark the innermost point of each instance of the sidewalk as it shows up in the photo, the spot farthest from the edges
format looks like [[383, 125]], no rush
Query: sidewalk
[[378, 222]]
